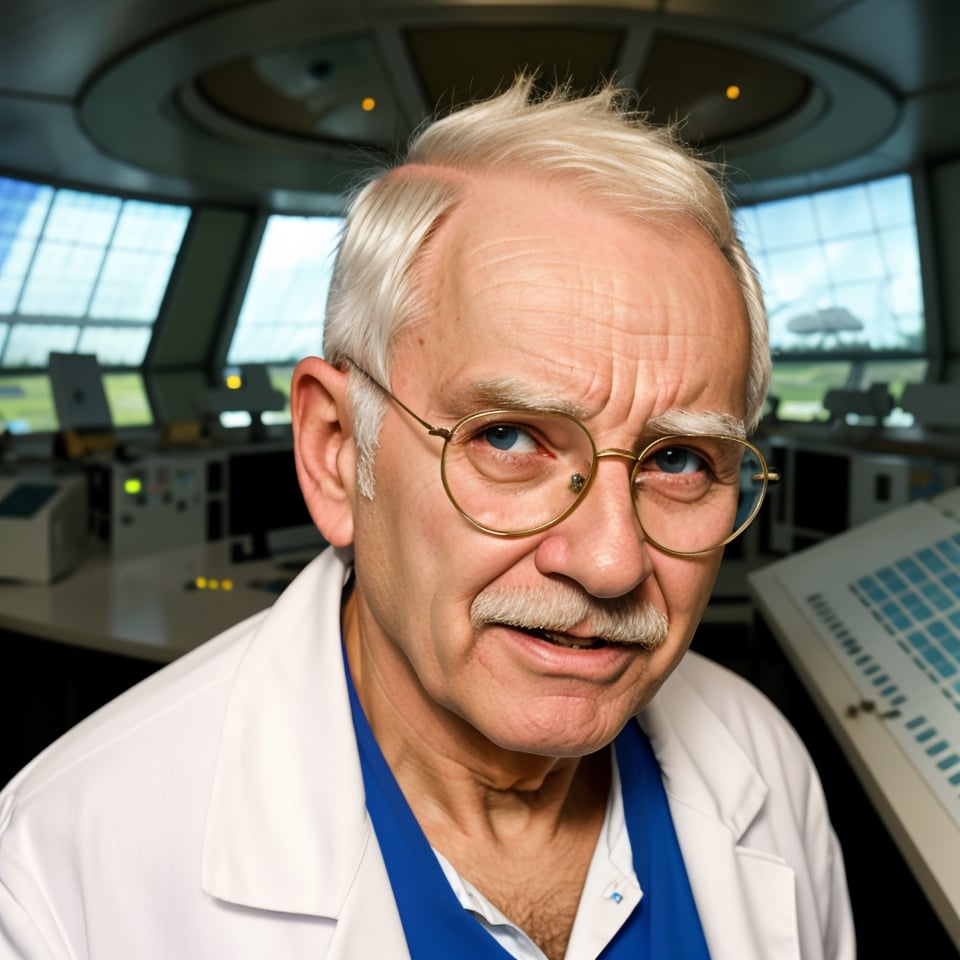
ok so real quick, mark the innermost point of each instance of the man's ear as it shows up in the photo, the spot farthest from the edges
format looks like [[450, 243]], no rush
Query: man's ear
[[324, 448]]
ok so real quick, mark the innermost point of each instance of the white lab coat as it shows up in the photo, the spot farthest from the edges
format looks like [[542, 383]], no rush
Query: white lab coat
[[216, 811]]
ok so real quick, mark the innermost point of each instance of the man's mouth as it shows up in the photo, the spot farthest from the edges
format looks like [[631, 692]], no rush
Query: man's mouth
[[567, 618], [565, 640]]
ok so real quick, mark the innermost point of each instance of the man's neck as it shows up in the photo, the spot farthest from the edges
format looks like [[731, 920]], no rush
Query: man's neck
[[521, 828], [449, 772]]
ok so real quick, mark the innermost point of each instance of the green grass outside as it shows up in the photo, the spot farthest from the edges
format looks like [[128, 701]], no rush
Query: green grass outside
[[26, 402], [801, 387]]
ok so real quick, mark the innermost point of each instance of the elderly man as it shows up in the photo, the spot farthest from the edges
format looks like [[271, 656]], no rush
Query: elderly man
[[472, 728]]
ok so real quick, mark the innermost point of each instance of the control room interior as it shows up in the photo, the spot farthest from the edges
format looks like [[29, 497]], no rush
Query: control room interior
[[173, 175]]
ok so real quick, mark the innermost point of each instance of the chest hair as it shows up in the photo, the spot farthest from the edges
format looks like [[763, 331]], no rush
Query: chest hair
[[539, 893], [545, 917]]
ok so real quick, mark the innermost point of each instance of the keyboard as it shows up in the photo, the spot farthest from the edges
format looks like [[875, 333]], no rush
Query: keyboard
[[885, 599]]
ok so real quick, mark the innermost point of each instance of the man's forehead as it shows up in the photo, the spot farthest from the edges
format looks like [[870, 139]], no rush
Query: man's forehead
[[554, 218], [432, 172], [569, 309]]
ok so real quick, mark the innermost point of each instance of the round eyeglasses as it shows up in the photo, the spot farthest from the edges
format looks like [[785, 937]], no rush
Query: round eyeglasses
[[513, 473]]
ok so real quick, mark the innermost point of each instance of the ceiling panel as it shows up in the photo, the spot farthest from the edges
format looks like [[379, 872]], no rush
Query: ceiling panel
[[456, 63], [912, 45], [334, 90], [719, 92], [783, 17], [51, 47]]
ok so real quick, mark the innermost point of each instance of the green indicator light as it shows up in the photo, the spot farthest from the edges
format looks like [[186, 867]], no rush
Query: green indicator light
[[133, 486]]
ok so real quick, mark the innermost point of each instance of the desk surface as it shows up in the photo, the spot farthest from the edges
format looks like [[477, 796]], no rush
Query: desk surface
[[918, 815], [144, 607]]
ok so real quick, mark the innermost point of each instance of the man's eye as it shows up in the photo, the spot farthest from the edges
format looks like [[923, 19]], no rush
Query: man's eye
[[677, 460], [508, 438]]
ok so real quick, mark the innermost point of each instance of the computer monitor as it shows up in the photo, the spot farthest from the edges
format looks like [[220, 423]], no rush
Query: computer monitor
[[264, 501]]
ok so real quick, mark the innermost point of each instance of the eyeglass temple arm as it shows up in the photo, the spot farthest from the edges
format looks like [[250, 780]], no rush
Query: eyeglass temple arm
[[429, 427]]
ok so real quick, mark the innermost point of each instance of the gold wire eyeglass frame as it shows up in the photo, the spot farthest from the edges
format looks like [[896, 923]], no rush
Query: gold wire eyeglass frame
[[579, 484]]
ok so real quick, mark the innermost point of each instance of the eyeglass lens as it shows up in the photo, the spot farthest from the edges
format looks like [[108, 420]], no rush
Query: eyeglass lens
[[516, 473]]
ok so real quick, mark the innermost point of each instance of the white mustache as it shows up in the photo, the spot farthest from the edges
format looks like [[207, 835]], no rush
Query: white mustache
[[560, 609]]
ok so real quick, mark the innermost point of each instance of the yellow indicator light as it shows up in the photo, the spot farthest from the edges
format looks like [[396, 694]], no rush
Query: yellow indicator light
[[226, 584], [213, 584], [733, 92], [234, 381], [133, 486], [368, 104], [200, 583]]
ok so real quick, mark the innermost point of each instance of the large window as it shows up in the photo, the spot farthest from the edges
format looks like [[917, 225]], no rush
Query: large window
[[281, 318], [79, 273], [841, 276]]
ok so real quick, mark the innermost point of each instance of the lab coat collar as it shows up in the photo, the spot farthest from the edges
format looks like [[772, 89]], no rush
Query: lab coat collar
[[287, 828], [702, 764]]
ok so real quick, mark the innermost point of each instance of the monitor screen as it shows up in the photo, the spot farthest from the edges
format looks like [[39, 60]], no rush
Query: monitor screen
[[263, 493], [25, 500]]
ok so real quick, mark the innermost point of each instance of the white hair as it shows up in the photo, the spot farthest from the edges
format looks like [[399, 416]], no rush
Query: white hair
[[599, 145]]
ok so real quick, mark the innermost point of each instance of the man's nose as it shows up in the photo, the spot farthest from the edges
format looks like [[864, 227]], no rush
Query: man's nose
[[601, 544]]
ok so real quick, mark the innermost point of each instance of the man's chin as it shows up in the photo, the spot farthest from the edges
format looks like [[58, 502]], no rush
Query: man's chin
[[575, 735]]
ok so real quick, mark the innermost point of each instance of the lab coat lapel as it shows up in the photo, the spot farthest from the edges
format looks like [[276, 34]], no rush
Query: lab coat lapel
[[287, 828], [745, 898], [369, 925]]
